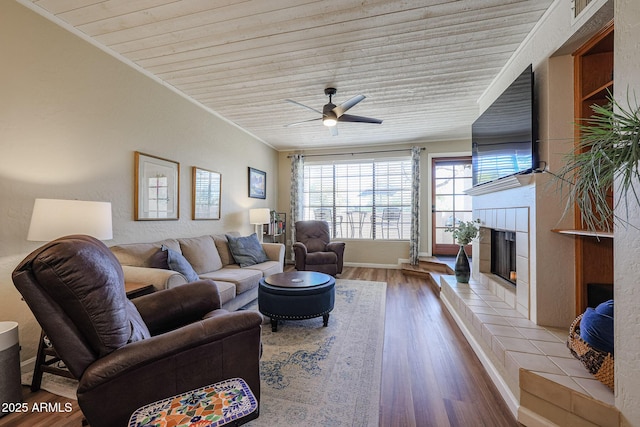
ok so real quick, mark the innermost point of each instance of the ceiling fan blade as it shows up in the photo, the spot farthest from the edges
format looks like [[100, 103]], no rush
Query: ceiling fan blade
[[302, 105], [302, 122], [333, 130], [357, 119], [342, 108]]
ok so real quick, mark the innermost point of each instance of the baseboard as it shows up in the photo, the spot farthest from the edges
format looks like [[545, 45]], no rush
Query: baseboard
[[28, 365], [509, 398], [370, 265]]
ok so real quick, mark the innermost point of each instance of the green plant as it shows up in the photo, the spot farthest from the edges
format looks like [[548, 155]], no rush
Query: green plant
[[608, 150], [465, 231]]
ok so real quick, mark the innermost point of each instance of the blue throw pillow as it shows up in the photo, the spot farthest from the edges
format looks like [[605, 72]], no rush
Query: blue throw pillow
[[247, 250], [596, 327], [605, 308], [177, 262]]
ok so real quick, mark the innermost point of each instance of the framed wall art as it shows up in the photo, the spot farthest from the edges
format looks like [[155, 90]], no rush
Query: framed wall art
[[257, 184], [206, 187], [157, 188]]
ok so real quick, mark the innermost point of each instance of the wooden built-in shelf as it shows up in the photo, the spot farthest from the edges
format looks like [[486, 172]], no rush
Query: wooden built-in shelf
[[587, 233], [603, 92], [593, 82]]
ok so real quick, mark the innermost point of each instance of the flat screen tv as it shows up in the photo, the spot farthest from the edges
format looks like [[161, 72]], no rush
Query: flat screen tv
[[504, 137]]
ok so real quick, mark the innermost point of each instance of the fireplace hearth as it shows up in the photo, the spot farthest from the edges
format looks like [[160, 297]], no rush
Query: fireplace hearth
[[503, 255]]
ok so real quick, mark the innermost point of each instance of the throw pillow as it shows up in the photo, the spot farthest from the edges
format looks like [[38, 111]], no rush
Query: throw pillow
[[596, 327], [159, 259], [177, 262], [246, 250]]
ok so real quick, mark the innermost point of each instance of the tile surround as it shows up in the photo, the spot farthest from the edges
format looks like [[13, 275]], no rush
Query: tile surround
[[508, 219], [541, 375]]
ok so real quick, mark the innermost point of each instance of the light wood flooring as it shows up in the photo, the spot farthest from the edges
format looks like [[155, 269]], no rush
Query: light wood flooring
[[430, 375]]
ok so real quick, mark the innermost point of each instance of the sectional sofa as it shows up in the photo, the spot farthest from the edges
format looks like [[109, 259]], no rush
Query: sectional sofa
[[210, 257]]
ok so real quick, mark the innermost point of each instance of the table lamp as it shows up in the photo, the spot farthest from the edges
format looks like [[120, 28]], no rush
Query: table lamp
[[53, 218], [258, 217]]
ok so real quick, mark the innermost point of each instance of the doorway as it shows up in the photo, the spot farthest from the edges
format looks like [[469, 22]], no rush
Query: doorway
[[450, 206]]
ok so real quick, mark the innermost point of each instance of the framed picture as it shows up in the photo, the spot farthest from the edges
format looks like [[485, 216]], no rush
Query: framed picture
[[157, 188], [257, 184], [205, 193]]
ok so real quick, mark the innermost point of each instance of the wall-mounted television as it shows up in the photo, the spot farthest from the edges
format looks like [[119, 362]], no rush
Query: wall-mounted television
[[504, 137]]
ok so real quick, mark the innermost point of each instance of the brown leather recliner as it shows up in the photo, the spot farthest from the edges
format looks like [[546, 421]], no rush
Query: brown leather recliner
[[314, 250], [127, 354]]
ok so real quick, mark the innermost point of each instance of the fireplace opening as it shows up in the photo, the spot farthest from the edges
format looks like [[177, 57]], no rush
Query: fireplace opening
[[503, 254]]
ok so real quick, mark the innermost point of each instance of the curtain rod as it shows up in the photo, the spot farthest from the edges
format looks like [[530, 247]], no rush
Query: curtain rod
[[360, 152]]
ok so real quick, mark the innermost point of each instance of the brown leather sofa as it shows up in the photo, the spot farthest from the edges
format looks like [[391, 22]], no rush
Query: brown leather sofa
[[314, 250], [127, 354]]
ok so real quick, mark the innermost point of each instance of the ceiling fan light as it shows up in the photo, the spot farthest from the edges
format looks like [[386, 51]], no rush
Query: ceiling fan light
[[329, 121]]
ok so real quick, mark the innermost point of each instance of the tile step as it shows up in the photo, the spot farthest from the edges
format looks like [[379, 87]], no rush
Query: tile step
[[516, 348]]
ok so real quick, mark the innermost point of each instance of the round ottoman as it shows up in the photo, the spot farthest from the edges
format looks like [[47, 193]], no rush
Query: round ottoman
[[296, 295]]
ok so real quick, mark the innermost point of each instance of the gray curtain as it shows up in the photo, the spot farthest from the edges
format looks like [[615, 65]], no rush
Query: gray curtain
[[297, 182], [414, 240]]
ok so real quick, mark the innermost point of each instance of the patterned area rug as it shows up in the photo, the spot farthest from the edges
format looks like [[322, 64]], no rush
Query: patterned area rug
[[317, 376], [312, 375]]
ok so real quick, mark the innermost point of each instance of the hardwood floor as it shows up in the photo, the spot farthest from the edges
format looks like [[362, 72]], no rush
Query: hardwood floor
[[430, 375]]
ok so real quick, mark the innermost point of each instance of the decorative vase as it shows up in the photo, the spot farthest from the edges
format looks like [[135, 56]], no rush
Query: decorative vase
[[463, 272]]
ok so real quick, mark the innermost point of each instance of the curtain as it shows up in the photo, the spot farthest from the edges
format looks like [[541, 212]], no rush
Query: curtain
[[414, 239], [297, 182]]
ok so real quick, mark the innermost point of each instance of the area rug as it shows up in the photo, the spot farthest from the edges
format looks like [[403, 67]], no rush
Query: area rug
[[317, 376], [61, 386], [312, 375]]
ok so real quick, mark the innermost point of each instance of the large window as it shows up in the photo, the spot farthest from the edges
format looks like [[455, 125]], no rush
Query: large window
[[360, 199]]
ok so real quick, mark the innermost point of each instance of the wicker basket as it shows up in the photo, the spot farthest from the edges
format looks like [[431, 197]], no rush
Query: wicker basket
[[598, 362]]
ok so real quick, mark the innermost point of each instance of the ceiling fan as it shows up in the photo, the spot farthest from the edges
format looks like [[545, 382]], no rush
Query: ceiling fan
[[332, 114]]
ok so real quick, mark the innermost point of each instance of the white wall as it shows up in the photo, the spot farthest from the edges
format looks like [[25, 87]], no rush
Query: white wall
[[627, 239], [71, 118]]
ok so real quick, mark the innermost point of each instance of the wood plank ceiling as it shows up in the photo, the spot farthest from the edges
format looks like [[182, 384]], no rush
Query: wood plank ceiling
[[421, 63]]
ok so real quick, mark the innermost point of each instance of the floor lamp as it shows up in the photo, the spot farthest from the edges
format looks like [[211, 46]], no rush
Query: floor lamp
[[51, 219], [259, 217]]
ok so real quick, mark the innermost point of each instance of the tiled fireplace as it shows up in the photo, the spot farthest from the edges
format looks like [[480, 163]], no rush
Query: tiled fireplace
[[516, 221], [519, 332], [544, 271]]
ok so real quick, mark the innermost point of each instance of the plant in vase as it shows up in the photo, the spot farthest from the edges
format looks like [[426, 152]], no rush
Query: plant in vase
[[463, 234]]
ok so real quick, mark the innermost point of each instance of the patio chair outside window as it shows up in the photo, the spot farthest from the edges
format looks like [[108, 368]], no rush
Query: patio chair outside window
[[390, 219], [325, 214]]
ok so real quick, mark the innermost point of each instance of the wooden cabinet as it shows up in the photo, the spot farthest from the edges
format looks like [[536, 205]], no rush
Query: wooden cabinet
[[593, 80]]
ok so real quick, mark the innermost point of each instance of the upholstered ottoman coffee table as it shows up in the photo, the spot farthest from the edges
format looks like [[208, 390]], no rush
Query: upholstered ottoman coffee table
[[296, 295]]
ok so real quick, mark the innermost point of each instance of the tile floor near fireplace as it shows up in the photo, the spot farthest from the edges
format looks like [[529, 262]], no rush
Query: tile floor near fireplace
[[530, 364]]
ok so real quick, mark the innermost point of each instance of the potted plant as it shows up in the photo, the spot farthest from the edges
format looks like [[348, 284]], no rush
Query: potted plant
[[463, 233], [608, 150]]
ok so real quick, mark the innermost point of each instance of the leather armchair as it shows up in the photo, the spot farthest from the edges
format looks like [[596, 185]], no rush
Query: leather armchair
[[127, 354], [314, 250]]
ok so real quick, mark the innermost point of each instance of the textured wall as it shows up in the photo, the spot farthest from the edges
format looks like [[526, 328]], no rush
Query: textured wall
[[627, 239], [71, 118]]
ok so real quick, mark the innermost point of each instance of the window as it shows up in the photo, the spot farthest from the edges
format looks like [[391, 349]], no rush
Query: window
[[367, 199]]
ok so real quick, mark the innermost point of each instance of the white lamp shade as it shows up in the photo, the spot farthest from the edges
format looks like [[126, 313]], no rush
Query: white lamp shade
[[259, 216], [54, 218]]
